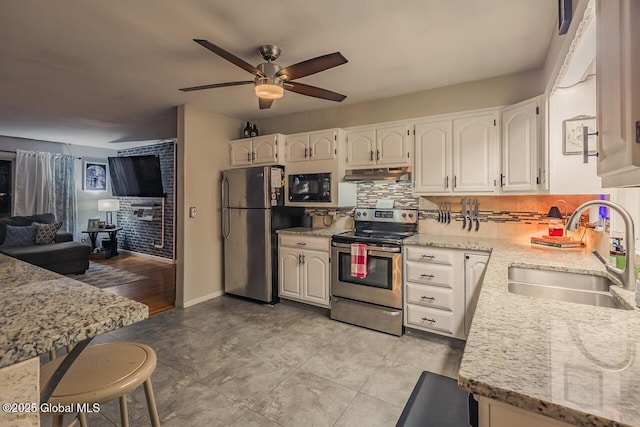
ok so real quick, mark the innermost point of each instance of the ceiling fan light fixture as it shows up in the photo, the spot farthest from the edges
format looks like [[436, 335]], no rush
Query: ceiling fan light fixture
[[268, 89]]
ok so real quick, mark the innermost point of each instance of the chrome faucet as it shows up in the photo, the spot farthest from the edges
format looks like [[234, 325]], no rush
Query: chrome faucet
[[626, 276]]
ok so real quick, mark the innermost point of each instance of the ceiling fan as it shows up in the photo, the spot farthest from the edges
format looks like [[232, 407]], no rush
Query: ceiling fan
[[271, 79]]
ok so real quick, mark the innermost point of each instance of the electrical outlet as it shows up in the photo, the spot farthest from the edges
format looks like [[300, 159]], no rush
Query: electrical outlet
[[192, 212]]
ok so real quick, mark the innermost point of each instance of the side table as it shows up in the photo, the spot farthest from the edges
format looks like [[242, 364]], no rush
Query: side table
[[112, 232]]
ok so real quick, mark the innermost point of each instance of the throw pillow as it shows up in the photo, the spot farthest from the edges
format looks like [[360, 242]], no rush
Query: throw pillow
[[46, 233], [20, 236]]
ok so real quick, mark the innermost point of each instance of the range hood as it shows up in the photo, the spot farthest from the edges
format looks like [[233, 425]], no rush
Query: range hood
[[402, 174]]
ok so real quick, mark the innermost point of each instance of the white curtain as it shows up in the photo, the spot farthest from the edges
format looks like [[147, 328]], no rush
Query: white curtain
[[45, 183], [34, 183]]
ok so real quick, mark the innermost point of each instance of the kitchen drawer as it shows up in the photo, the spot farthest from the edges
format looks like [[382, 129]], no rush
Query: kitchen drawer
[[430, 296], [429, 274], [430, 318], [305, 242], [428, 254]]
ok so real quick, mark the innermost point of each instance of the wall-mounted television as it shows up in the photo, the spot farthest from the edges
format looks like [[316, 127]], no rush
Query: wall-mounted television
[[136, 176]]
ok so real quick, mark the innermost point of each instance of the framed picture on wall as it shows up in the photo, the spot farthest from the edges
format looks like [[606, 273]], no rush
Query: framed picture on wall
[[94, 177], [572, 135]]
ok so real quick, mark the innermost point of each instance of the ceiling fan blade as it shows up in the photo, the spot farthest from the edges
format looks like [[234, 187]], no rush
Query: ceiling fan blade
[[314, 91], [229, 57], [215, 85], [265, 103], [311, 66]]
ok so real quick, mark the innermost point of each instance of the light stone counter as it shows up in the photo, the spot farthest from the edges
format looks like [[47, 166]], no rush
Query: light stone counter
[[576, 363], [41, 310], [319, 232]]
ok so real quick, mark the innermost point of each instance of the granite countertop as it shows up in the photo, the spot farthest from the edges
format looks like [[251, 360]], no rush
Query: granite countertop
[[319, 232], [576, 363], [42, 310]]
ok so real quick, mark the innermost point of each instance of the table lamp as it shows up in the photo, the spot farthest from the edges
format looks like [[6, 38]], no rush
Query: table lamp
[[109, 206]]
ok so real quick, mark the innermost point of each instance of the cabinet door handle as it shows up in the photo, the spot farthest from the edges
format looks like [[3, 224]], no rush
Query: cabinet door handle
[[455, 181], [502, 176], [305, 153], [248, 157], [428, 276], [377, 154], [426, 319], [299, 258], [431, 299], [253, 156], [371, 157], [310, 152], [446, 182], [303, 259]]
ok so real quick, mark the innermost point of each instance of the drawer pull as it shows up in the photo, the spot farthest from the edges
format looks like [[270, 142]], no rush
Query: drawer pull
[[431, 299], [428, 276], [301, 244], [426, 319], [428, 256]]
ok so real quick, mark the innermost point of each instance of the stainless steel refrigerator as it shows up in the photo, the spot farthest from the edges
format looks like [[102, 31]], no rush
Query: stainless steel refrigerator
[[252, 211]]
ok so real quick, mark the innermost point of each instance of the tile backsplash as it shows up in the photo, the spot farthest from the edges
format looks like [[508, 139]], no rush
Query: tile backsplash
[[512, 217], [400, 192]]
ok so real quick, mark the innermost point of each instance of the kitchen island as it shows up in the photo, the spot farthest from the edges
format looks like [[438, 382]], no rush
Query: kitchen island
[[575, 363], [42, 311]]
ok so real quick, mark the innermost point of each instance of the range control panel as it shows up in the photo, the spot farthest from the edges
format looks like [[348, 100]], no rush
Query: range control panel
[[409, 216]]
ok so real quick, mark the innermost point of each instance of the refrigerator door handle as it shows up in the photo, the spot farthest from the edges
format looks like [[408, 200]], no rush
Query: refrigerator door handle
[[225, 212]]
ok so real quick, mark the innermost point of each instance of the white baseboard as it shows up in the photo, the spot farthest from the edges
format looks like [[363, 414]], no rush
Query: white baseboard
[[155, 257], [202, 299]]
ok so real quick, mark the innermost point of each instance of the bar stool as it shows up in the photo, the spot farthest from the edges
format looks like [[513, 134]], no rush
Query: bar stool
[[102, 373]]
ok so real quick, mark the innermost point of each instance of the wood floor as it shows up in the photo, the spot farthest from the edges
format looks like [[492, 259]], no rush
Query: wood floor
[[157, 290]]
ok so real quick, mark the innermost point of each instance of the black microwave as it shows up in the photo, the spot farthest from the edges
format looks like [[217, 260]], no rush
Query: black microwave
[[310, 187]]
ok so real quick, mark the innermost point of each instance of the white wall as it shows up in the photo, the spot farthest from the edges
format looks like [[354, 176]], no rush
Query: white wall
[[503, 90], [568, 173], [203, 152]]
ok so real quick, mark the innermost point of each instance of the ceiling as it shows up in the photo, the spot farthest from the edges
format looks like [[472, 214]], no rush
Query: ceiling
[[95, 72]]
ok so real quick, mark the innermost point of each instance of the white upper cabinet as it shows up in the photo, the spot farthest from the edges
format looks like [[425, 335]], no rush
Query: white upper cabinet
[[434, 148], [380, 146], [521, 147], [241, 152], [618, 91], [392, 145], [261, 150], [322, 144], [303, 147], [361, 146], [458, 154], [475, 148]]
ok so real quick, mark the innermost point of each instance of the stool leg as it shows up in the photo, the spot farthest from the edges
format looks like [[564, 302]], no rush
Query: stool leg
[[124, 417], [57, 420], [83, 419], [151, 403]]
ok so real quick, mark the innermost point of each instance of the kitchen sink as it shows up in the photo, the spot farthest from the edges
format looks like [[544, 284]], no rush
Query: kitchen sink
[[564, 286]]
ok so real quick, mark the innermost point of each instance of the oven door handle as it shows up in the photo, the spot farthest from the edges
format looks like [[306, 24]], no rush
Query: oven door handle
[[371, 249]]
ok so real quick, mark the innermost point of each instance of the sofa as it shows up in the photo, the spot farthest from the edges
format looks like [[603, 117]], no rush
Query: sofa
[[35, 239]]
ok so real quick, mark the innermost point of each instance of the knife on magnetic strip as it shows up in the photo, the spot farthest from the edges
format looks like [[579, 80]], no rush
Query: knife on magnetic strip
[[464, 213]]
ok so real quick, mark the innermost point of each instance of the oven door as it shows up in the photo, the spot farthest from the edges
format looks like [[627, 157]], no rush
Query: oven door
[[383, 284]]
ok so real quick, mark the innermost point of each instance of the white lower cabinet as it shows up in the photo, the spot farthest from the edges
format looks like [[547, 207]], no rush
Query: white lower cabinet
[[303, 269], [440, 289]]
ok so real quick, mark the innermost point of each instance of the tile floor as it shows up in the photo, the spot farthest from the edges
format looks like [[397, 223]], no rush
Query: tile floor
[[229, 362]]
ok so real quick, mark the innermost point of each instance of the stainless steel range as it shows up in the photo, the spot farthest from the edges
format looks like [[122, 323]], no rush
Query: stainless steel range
[[373, 301]]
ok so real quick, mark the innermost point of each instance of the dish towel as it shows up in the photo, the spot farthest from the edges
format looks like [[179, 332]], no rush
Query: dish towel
[[359, 260]]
